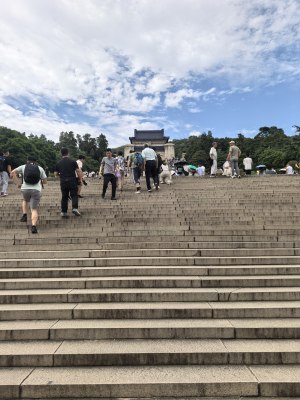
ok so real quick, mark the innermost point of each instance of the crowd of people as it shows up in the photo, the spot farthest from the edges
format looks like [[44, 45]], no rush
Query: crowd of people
[[31, 177]]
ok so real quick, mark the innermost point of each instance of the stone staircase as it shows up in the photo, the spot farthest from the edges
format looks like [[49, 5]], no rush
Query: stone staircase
[[189, 292]]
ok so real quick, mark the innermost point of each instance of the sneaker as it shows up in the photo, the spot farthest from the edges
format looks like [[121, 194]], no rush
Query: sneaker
[[138, 191], [2, 194], [64, 214], [33, 229], [113, 198], [149, 190], [233, 177], [24, 218], [81, 197], [76, 212], [239, 177], [5, 194]]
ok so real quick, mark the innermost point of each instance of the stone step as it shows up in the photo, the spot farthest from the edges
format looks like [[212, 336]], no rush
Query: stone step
[[164, 381], [147, 310], [70, 353], [215, 281], [168, 281], [148, 261], [212, 271], [95, 237], [41, 246], [285, 328], [165, 252], [149, 295]]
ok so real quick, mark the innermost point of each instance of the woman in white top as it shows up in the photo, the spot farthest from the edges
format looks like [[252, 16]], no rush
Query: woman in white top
[[165, 175]]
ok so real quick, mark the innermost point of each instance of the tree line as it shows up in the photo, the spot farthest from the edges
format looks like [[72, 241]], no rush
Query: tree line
[[47, 151], [270, 146]]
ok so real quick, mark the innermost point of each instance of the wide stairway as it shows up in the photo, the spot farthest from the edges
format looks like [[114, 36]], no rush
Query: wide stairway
[[192, 291]]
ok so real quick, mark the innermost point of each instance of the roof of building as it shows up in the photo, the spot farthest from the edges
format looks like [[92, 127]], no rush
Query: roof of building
[[149, 135]]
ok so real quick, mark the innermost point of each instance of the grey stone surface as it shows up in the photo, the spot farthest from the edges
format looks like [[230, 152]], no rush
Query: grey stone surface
[[140, 382], [10, 380], [25, 330], [215, 283], [278, 380], [141, 329]]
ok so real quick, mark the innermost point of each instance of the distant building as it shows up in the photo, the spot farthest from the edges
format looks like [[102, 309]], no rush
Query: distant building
[[154, 138]]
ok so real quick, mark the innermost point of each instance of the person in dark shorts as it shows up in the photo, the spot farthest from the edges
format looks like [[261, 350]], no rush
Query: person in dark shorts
[[68, 171]]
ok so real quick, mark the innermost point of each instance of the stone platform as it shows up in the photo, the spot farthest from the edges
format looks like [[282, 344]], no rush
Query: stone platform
[[192, 291]]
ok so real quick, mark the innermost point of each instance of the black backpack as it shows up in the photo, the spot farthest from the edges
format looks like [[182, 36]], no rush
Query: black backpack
[[32, 174], [2, 159]]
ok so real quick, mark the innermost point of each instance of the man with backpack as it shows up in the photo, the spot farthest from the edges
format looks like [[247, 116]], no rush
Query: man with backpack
[[136, 163], [5, 171], [31, 187]]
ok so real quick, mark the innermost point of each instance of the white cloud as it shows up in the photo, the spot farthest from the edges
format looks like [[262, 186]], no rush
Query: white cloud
[[174, 99], [138, 57], [194, 133]]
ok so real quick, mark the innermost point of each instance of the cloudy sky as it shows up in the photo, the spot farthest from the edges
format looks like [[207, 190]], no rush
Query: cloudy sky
[[112, 66]]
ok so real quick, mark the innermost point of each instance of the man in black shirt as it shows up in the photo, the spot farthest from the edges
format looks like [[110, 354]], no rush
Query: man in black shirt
[[67, 170]]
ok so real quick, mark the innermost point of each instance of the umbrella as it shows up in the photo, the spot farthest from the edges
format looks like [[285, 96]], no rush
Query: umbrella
[[261, 166], [180, 163], [192, 167], [282, 171]]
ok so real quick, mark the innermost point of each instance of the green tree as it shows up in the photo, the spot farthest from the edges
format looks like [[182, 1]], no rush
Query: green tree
[[67, 139], [102, 145], [272, 157], [297, 128], [87, 145]]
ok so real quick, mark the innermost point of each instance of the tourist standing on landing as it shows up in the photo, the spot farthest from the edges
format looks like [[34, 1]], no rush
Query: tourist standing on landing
[[150, 166], [31, 189], [70, 175], [233, 156], [248, 163], [214, 157]]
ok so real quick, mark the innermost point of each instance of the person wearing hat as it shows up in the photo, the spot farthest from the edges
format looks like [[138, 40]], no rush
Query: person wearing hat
[[214, 157], [233, 157], [34, 177]]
